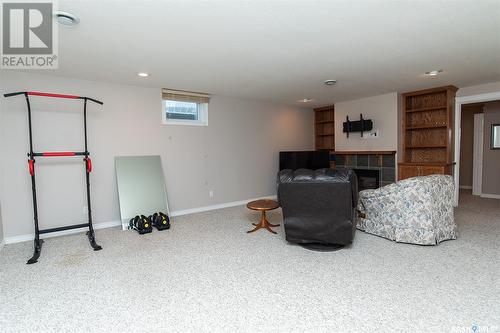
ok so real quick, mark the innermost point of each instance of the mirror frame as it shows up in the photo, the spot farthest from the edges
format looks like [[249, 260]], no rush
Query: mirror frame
[[492, 139]]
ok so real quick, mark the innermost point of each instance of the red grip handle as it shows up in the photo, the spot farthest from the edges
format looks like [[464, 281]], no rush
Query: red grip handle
[[89, 165], [31, 166], [37, 93], [59, 153]]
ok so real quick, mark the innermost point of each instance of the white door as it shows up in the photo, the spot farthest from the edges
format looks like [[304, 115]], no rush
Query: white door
[[477, 161]]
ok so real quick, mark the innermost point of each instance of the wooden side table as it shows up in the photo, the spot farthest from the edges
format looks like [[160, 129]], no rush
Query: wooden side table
[[263, 206]]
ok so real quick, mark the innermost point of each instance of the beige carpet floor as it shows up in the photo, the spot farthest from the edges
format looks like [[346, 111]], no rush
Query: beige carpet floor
[[207, 275]]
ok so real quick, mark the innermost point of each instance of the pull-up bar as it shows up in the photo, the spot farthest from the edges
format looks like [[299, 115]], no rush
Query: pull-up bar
[[37, 93], [31, 167], [61, 153]]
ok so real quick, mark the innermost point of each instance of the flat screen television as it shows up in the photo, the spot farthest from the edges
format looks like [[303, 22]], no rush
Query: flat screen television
[[304, 159]]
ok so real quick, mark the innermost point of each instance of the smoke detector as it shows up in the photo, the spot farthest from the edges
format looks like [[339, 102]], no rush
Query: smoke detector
[[330, 82], [66, 18]]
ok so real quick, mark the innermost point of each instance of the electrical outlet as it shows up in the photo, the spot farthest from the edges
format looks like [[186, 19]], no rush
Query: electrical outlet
[[211, 194], [374, 134]]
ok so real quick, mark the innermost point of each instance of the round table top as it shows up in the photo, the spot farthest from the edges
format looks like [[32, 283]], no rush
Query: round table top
[[263, 204]]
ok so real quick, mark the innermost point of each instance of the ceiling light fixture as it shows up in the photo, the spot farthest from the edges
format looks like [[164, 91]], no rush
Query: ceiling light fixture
[[305, 100], [434, 72], [66, 18], [330, 82], [143, 74]]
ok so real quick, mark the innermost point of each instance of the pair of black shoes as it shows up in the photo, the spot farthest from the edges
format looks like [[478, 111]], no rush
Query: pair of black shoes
[[144, 225]]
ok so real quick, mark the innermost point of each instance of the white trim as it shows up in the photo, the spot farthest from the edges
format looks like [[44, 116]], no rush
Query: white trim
[[30, 237], [2, 244], [202, 114], [465, 187], [184, 123], [458, 117], [219, 206], [490, 196], [477, 154]]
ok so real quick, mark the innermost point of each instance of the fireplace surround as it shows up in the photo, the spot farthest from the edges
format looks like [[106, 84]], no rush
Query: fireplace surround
[[373, 168]]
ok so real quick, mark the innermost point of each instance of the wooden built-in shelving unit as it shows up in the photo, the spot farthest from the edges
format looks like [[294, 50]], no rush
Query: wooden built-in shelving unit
[[428, 132], [324, 128]]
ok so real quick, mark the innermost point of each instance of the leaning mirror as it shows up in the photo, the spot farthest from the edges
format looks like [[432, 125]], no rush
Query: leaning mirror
[[141, 187], [495, 136]]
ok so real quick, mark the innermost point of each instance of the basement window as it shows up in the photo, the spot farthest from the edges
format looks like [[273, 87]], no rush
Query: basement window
[[184, 108]]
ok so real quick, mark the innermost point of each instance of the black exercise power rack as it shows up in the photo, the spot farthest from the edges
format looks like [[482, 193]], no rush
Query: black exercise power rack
[[31, 166]]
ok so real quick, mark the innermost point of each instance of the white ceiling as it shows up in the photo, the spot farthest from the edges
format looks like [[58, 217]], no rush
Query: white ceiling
[[282, 51]]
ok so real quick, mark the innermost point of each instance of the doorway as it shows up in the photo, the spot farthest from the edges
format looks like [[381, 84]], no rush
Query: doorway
[[473, 170]]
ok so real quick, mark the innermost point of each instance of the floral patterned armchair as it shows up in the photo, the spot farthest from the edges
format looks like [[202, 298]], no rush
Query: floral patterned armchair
[[417, 210]]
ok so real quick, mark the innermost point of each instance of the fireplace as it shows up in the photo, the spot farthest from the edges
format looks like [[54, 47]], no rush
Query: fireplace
[[367, 179], [373, 168]]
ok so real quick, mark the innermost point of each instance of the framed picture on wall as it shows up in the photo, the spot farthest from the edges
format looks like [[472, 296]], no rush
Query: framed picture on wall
[[495, 136]]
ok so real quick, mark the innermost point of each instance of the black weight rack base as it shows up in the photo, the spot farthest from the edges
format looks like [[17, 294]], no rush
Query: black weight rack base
[[38, 242], [36, 253]]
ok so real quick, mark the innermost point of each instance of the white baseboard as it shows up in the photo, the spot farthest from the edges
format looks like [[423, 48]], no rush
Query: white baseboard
[[30, 237], [490, 196], [103, 225], [219, 206], [465, 187]]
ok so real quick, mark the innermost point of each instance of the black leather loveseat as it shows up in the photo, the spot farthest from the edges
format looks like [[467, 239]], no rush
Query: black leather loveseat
[[319, 206]]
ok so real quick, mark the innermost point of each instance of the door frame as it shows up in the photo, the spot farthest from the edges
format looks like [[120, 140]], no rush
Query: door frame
[[487, 97], [477, 172]]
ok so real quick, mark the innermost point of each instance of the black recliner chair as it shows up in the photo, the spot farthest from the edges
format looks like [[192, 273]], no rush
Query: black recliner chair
[[319, 207]]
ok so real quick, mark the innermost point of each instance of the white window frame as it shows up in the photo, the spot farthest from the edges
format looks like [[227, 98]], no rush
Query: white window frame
[[201, 121]]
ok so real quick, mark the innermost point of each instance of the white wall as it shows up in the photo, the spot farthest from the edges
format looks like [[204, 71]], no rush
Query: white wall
[[479, 89], [236, 156], [382, 110]]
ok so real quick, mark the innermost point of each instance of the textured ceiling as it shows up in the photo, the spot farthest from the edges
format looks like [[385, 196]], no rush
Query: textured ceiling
[[282, 51]]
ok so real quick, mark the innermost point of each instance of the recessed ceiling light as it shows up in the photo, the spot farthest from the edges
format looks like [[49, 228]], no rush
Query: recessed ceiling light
[[66, 18], [143, 74], [434, 72], [330, 82], [304, 100]]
